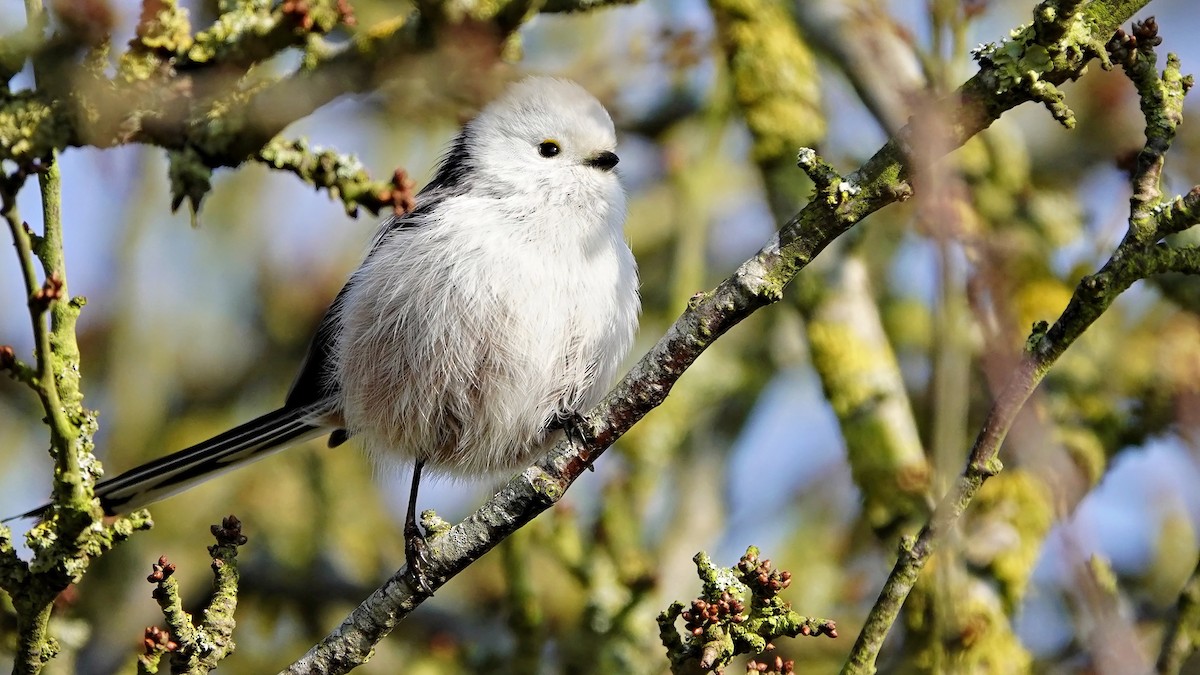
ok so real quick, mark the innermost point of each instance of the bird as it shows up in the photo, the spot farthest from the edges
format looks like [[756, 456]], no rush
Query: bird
[[477, 327]]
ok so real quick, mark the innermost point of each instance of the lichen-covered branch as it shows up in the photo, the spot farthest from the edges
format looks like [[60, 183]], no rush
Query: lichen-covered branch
[[344, 177], [1135, 258], [1184, 631], [248, 32], [196, 647], [38, 298], [58, 354], [186, 93], [862, 381], [774, 76], [718, 625], [166, 594], [66, 542], [776, 84], [1162, 105]]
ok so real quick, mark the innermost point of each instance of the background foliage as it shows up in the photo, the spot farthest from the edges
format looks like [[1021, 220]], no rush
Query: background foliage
[[816, 429]]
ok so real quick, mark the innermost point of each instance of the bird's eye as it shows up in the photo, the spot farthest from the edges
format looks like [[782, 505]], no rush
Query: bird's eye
[[549, 148]]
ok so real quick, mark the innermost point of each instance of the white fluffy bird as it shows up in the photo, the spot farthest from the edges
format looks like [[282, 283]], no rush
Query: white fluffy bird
[[478, 326]]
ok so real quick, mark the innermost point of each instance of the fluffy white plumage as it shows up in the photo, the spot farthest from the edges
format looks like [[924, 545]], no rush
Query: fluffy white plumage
[[466, 335], [504, 302]]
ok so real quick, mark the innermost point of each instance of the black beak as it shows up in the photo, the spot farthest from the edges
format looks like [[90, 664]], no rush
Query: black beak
[[605, 160]]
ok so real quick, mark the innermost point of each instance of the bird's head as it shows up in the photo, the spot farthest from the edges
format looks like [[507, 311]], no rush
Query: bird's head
[[542, 135]]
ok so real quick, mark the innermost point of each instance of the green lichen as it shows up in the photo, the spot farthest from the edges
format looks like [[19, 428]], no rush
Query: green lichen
[[778, 278], [957, 624], [774, 76], [739, 611], [31, 127], [435, 526], [544, 485], [246, 33], [887, 464], [1011, 516], [1022, 62], [191, 178], [161, 39], [169, 30], [237, 36]]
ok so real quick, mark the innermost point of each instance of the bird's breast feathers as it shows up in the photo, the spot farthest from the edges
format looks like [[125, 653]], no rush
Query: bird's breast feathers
[[463, 345]]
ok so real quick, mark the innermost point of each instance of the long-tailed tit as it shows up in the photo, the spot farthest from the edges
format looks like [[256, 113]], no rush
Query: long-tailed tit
[[478, 325]]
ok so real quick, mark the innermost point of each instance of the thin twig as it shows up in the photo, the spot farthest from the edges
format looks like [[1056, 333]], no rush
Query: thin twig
[[1135, 258], [197, 647], [1180, 639]]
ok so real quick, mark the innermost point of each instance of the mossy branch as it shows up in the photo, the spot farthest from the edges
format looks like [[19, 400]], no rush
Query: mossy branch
[[66, 542], [344, 177], [196, 647], [1137, 257], [718, 625], [1184, 631], [187, 94]]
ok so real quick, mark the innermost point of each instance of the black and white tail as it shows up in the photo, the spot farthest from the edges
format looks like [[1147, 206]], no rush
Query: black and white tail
[[179, 471]]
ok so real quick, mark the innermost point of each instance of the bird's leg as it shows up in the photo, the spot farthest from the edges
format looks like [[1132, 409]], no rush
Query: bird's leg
[[416, 550]]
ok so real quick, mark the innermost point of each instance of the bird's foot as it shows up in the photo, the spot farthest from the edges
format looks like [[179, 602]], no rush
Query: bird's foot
[[576, 427], [578, 432]]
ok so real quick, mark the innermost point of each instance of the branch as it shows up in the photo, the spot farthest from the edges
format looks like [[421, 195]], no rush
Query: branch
[[196, 647], [1135, 258], [717, 623], [63, 545], [344, 177], [38, 298], [558, 6], [177, 92], [1181, 214], [191, 95], [1161, 101], [757, 283], [249, 33], [861, 379], [1182, 635], [773, 75]]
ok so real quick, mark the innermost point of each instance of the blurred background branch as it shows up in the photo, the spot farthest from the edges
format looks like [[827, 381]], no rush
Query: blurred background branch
[[822, 429]]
